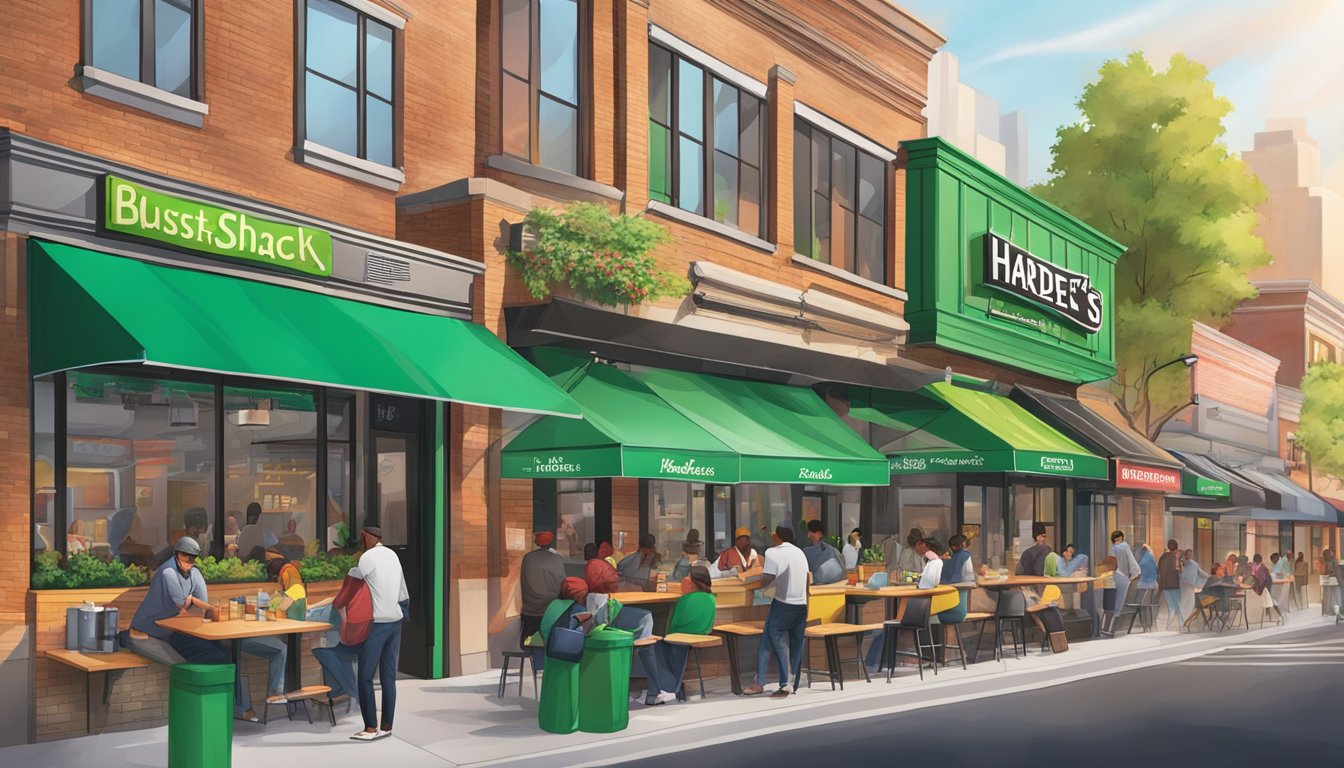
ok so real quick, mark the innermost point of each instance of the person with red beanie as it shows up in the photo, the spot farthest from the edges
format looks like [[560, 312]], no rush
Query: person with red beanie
[[543, 571]]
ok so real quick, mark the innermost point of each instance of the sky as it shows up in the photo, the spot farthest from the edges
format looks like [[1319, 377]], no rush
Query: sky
[[1270, 58]]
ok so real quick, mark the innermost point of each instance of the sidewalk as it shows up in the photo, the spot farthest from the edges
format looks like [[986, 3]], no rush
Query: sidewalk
[[459, 722]]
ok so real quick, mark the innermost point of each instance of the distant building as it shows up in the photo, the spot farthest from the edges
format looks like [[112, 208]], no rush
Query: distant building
[[970, 119]]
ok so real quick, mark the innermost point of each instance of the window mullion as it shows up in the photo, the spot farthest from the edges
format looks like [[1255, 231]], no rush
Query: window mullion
[[361, 83], [674, 131], [534, 84], [707, 134], [147, 42]]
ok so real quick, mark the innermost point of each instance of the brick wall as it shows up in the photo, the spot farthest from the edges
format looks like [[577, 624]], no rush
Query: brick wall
[[1232, 372], [15, 437]]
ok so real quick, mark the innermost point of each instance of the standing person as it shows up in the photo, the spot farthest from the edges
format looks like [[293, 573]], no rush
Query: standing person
[[540, 575], [1192, 578], [1126, 571], [786, 568], [1230, 564], [639, 569], [381, 570], [1329, 572], [853, 549], [823, 560], [1281, 570], [1262, 583], [1147, 588], [1169, 581], [1300, 575], [254, 539], [1033, 557], [740, 556]]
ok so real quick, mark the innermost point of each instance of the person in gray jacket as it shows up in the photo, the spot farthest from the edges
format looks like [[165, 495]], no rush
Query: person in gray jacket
[[542, 572], [1126, 570]]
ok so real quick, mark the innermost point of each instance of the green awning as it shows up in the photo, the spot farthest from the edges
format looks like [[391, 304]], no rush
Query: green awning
[[1193, 484], [89, 308], [949, 428], [783, 434], [626, 431]]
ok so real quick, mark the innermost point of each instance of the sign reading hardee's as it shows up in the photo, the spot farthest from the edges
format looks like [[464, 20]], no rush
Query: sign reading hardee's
[[1067, 293]]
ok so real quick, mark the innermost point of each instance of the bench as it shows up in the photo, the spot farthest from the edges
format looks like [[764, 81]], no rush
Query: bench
[[695, 643], [111, 665], [830, 635], [731, 633]]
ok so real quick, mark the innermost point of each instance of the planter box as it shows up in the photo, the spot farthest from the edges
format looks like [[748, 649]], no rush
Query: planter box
[[868, 570]]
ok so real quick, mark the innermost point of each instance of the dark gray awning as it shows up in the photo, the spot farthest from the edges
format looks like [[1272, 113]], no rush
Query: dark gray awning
[[1090, 428], [638, 341], [1245, 493]]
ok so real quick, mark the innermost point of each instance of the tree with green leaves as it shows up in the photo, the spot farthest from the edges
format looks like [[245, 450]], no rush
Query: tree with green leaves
[[1320, 429], [1146, 166]]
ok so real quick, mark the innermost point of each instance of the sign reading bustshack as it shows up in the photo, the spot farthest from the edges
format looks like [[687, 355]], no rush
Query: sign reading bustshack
[[996, 273], [138, 211]]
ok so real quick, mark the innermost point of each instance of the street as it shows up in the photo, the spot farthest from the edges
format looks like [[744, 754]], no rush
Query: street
[[1276, 700]]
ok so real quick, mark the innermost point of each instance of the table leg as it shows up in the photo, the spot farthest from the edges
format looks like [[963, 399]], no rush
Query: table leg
[[294, 664], [734, 673]]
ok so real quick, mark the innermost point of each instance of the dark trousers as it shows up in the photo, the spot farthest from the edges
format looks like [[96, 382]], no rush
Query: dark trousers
[[783, 634], [198, 651], [380, 652], [667, 669], [338, 671], [528, 626]]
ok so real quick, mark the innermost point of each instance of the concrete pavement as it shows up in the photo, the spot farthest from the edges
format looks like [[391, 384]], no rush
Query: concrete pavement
[[459, 722]]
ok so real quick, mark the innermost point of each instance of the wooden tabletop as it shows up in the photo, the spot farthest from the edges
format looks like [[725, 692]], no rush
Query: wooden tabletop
[[694, 641], [239, 629], [1029, 581], [896, 591], [741, 628], [98, 662], [637, 598]]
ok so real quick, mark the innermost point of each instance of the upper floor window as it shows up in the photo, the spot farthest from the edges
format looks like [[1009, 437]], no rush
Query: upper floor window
[[155, 42], [706, 143], [542, 88], [1320, 350], [839, 203], [349, 82]]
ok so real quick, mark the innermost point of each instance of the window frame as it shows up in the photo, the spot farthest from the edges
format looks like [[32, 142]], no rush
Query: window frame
[[321, 445], [1314, 343], [147, 53], [584, 91], [301, 71], [800, 124], [710, 77]]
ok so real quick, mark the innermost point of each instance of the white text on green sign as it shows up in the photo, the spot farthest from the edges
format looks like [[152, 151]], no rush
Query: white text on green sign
[[141, 212]]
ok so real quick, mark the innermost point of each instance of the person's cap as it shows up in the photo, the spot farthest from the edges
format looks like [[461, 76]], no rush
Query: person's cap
[[743, 531], [1037, 529], [373, 531], [690, 547], [543, 538], [783, 530], [187, 546]]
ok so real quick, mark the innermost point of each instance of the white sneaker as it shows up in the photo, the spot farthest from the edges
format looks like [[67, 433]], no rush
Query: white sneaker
[[664, 698]]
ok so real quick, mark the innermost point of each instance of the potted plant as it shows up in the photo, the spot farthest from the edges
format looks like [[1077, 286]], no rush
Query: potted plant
[[871, 561], [598, 255]]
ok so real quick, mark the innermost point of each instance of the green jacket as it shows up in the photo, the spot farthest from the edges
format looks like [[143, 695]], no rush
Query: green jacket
[[693, 614]]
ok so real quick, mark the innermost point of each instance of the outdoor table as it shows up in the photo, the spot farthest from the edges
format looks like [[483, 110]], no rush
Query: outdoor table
[[657, 603], [855, 597], [1232, 592], [998, 584], [235, 631]]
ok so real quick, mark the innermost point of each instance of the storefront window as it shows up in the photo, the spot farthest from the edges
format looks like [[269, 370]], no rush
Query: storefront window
[[1226, 538], [1183, 531], [270, 476], [44, 464], [928, 509], [140, 467], [341, 498], [761, 507], [575, 519], [674, 509], [982, 523], [1034, 504]]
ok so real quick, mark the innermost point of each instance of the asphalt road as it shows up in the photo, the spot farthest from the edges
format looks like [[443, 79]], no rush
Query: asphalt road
[[1280, 701]]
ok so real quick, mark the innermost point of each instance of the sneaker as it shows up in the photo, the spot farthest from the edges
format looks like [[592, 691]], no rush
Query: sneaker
[[753, 690], [381, 734], [278, 698], [365, 736], [664, 698]]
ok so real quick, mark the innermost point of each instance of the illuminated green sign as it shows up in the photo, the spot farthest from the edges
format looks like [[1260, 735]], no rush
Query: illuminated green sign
[[138, 211]]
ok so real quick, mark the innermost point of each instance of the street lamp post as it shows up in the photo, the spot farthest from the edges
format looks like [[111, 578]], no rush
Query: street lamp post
[[1153, 428]]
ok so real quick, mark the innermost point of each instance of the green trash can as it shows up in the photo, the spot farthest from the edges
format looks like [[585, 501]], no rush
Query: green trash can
[[558, 710], [604, 680], [200, 716]]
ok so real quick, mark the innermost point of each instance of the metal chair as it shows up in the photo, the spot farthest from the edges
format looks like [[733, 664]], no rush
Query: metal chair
[[524, 657], [1011, 613], [916, 621]]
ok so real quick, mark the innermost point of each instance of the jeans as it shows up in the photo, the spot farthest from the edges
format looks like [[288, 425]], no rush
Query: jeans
[[273, 650], [783, 621], [338, 669], [665, 669], [639, 621], [1173, 597], [379, 653]]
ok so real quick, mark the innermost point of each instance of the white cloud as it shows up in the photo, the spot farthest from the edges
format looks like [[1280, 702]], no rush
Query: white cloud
[[1103, 36]]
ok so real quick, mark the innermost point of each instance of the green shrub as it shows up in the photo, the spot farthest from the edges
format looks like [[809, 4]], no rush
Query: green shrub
[[872, 554], [84, 571], [325, 567], [231, 569]]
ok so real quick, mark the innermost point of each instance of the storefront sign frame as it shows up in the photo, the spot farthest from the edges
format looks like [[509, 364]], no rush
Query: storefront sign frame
[[1139, 477], [1068, 294], [144, 213]]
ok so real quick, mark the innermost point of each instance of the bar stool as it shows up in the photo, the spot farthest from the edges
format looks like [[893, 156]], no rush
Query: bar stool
[[1011, 613], [916, 621]]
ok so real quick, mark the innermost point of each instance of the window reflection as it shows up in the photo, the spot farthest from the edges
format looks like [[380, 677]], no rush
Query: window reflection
[[339, 105], [270, 471]]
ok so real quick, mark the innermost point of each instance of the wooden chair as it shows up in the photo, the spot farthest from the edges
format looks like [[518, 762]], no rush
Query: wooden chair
[[300, 696], [694, 643], [830, 635]]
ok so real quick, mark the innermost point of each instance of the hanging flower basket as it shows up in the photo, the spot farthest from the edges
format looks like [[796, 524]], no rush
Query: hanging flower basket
[[600, 256]]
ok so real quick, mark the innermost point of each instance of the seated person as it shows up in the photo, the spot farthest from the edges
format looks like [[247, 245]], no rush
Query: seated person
[[824, 561], [693, 614], [1071, 563], [690, 555], [175, 590], [291, 543], [598, 572], [740, 557], [124, 536], [638, 570], [254, 539], [196, 525], [1032, 562]]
